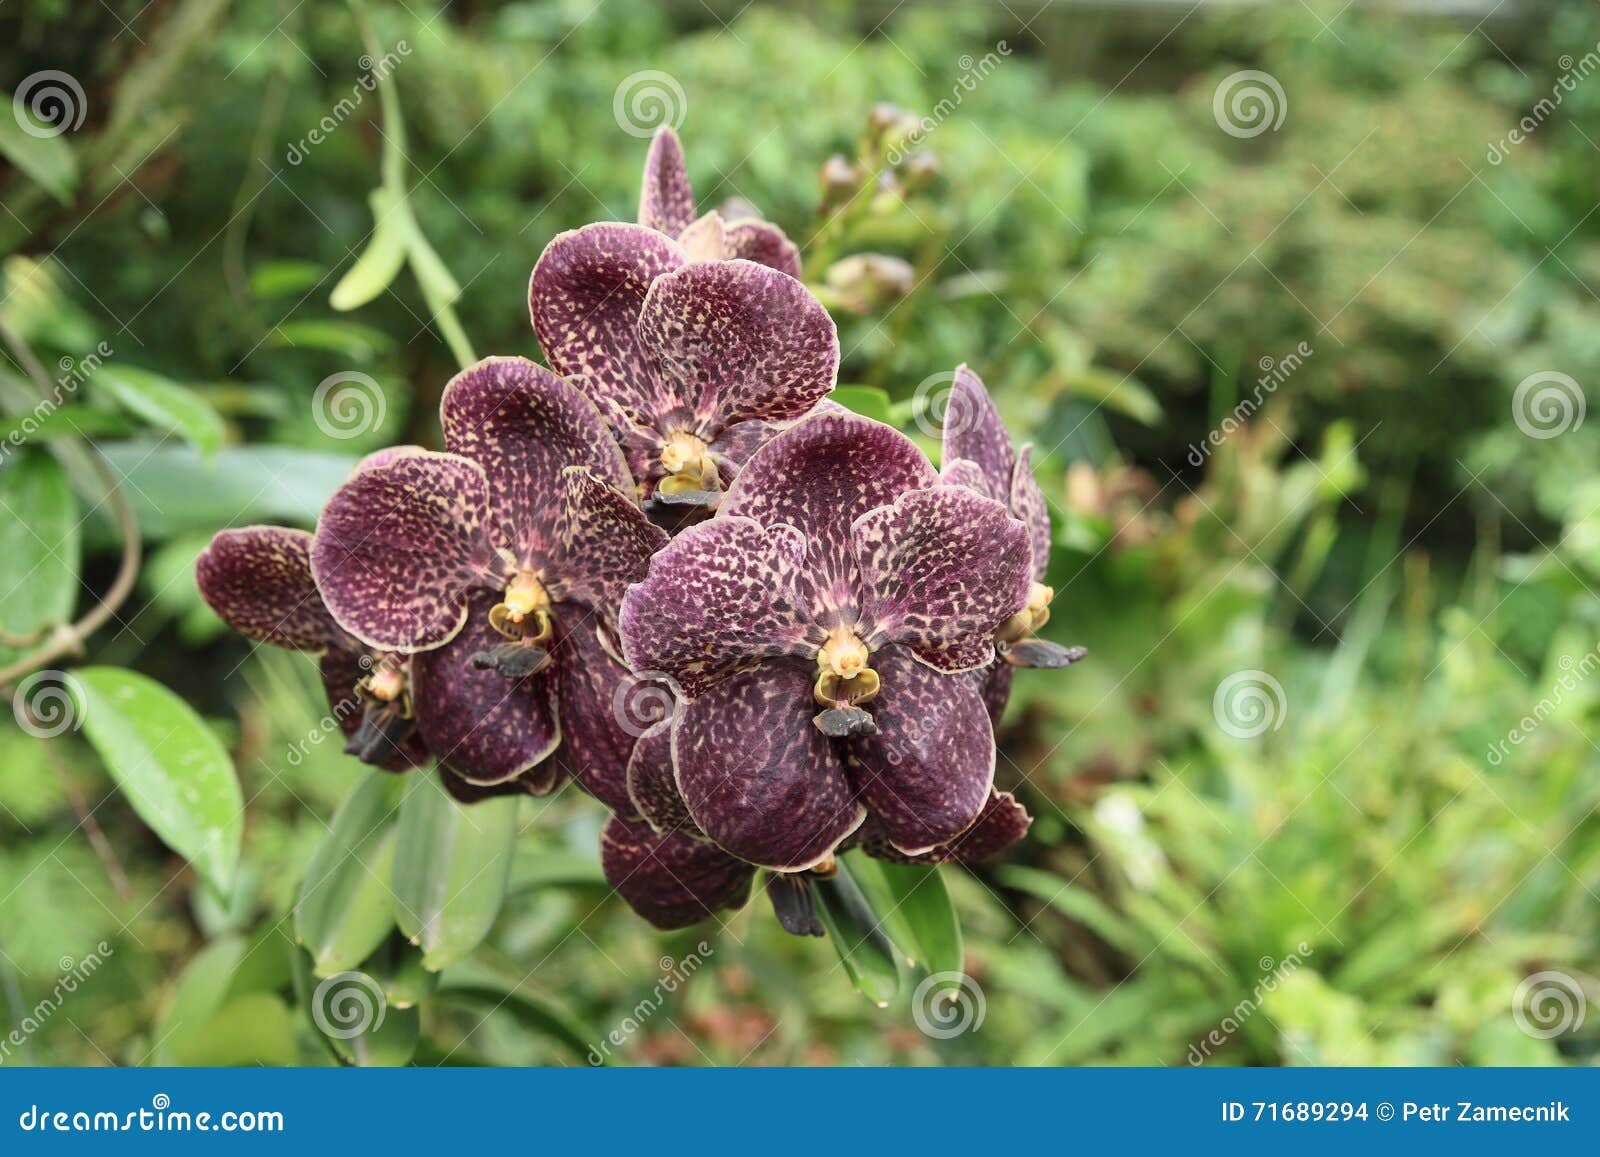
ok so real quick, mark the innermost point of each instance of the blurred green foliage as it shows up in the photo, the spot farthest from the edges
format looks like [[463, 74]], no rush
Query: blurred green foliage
[[1381, 538]]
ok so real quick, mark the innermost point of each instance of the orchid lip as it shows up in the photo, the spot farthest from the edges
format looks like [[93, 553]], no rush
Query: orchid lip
[[524, 613]]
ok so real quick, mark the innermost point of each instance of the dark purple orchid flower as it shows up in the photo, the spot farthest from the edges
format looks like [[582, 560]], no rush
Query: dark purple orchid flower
[[258, 579], [498, 565], [977, 453], [672, 874], [818, 629], [666, 204], [694, 365]]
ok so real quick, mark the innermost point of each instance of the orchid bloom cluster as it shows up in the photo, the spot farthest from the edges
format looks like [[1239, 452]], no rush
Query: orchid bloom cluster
[[675, 501]]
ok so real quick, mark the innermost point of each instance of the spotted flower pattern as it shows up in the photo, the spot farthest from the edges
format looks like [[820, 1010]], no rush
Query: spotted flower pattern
[[818, 629], [977, 453], [498, 565], [666, 204], [693, 363]]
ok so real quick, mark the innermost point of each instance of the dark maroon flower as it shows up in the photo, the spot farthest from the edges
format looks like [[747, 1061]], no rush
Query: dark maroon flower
[[499, 564], [675, 874], [817, 629], [693, 365], [258, 579], [977, 453], [666, 204]]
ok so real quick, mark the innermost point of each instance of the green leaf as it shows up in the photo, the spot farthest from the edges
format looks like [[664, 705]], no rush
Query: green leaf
[[348, 339], [39, 545], [1078, 903], [174, 490], [380, 262], [922, 905], [536, 867], [198, 995], [858, 936], [170, 766], [397, 967], [533, 1012], [253, 1029], [344, 909], [868, 401], [48, 160], [451, 863], [64, 422], [388, 1044], [164, 404], [284, 278]]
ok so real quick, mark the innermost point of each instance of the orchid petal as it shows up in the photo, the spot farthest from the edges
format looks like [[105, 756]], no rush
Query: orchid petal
[[757, 775], [258, 579], [398, 547]]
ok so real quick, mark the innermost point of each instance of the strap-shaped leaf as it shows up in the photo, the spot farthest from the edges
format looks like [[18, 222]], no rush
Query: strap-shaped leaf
[[344, 909], [451, 863], [860, 937]]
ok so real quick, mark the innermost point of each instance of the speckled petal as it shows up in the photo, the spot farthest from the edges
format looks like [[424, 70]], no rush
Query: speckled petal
[[973, 430], [928, 771], [398, 547], [1027, 503], [763, 243], [666, 200], [941, 568], [258, 578], [734, 446], [1002, 823], [819, 476], [524, 426], [719, 596], [539, 781], [671, 880], [605, 544], [652, 786], [736, 340], [585, 297], [995, 685], [484, 727], [757, 775], [595, 745], [341, 670]]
